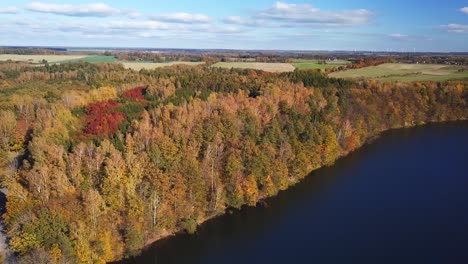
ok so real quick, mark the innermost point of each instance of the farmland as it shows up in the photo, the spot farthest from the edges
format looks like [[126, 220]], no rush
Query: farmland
[[39, 58], [405, 72], [283, 67], [270, 67], [92, 59], [384, 72], [315, 64], [152, 65]]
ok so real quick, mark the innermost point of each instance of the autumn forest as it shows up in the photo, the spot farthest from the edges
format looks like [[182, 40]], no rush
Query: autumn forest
[[99, 161]]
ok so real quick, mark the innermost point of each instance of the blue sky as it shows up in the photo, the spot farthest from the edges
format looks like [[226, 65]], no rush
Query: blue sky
[[397, 25]]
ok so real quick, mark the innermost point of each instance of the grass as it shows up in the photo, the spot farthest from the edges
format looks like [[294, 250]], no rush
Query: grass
[[152, 65], [269, 67], [92, 59], [39, 58], [314, 64], [405, 72]]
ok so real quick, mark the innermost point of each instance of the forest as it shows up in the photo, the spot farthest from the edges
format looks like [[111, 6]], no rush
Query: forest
[[99, 161]]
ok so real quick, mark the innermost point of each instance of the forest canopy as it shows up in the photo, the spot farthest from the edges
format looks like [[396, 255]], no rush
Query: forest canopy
[[99, 160]]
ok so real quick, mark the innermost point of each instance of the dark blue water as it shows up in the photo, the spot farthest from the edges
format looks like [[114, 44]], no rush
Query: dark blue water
[[401, 199]]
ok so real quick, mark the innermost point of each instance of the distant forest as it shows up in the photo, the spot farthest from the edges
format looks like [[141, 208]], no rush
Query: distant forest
[[213, 56], [99, 161]]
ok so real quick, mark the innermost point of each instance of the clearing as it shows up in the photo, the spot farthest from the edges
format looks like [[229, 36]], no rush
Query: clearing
[[315, 64], [92, 59], [405, 72]]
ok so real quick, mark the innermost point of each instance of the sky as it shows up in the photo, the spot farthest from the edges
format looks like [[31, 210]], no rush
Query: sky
[[371, 25]]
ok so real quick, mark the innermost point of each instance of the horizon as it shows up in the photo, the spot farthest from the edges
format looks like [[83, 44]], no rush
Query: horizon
[[111, 48], [359, 25]]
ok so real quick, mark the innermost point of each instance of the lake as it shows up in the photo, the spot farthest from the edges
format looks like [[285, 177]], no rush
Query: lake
[[401, 199]]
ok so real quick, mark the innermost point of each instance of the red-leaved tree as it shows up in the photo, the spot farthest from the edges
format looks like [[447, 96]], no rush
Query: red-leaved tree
[[103, 118], [135, 93]]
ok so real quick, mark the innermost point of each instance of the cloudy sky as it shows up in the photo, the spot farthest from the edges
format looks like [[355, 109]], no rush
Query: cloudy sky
[[397, 25]]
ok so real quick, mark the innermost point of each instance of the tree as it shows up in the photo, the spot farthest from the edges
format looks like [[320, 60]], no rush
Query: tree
[[213, 154], [36, 256], [251, 190], [103, 118], [7, 129], [234, 177], [94, 206], [114, 178]]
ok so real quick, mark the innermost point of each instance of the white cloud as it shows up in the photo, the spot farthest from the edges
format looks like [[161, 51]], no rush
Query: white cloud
[[132, 14], [185, 18], [134, 25], [464, 9], [224, 30], [9, 10], [404, 37], [131, 29], [398, 36], [137, 24], [89, 10], [306, 14], [455, 28], [237, 20]]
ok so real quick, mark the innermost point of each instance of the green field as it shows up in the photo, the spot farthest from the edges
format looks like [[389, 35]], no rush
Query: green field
[[405, 72], [269, 67], [314, 64], [153, 65], [92, 59]]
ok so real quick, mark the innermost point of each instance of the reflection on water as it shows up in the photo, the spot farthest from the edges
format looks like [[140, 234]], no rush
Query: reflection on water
[[401, 199]]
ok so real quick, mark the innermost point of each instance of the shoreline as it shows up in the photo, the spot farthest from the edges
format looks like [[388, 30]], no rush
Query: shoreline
[[168, 234]]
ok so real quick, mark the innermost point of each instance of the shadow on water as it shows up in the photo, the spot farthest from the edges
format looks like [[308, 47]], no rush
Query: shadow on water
[[401, 199]]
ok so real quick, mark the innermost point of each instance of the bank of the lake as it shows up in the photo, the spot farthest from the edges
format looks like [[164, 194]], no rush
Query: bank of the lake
[[400, 199]]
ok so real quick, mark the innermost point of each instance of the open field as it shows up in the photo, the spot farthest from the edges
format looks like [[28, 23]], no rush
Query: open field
[[39, 58], [314, 64], [151, 65], [270, 67], [92, 59], [405, 72]]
